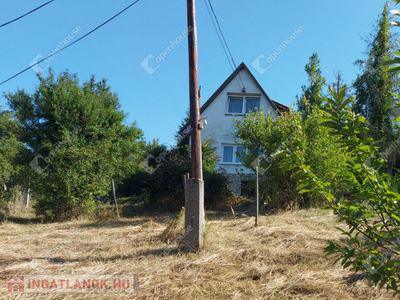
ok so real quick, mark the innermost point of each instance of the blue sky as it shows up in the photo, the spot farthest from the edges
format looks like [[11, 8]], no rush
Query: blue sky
[[158, 102]]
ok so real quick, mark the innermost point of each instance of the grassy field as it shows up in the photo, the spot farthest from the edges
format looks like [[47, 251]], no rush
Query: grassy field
[[282, 258]]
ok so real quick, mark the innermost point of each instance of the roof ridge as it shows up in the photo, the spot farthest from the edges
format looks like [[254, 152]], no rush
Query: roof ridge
[[242, 66]]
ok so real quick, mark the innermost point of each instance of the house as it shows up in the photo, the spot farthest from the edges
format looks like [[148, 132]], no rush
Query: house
[[239, 94]]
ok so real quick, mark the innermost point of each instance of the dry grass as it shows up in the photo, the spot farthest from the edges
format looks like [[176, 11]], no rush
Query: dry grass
[[281, 259]]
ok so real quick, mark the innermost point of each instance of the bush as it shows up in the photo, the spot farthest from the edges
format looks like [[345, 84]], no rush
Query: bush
[[161, 185], [372, 213], [76, 141], [265, 137], [3, 208], [105, 213], [10, 146]]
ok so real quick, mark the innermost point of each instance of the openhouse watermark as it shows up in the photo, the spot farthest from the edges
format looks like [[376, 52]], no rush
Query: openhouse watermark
[[161, 158], [40, 163], [269, 160], [45, 64], [72, 284], [152, 63], [263, 63]]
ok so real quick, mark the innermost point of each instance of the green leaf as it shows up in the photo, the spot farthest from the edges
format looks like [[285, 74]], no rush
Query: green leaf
[[305, 191], [396, 60], [331, 124], [395, 217], [346, 103], [393, 69]]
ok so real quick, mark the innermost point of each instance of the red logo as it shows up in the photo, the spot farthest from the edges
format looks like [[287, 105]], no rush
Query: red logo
[[15, 283]]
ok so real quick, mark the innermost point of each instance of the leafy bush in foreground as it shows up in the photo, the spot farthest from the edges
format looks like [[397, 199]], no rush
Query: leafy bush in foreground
[[372, 210]]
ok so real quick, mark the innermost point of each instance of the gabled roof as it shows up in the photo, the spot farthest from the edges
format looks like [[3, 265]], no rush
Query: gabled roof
[[280, 108], [277, 106]]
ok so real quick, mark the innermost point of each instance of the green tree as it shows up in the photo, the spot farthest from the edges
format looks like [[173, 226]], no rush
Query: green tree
[[374, 86], [9, 146], [311, 96], [159, 183], [77, 141], [182, 136], [265, 137], [10, 153], [371, 208]]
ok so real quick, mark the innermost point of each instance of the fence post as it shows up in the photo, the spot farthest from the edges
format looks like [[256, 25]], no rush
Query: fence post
[[257, 197], [115, 197]]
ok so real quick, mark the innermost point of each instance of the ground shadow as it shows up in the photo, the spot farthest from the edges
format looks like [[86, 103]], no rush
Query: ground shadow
[[116, 223], [356, 277], [60, 260], [228, 213], [160, 252], [24, 221]]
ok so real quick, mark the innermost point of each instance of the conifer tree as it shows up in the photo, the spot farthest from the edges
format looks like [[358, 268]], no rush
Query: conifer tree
[[311, 95], [374, 86]]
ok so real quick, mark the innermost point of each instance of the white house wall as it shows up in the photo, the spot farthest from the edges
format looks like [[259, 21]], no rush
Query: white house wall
[[220, 127]]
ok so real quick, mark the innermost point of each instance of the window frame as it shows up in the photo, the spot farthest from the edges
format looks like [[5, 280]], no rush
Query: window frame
[[244, 97], [229, 104], [234, 155], [251, 99]]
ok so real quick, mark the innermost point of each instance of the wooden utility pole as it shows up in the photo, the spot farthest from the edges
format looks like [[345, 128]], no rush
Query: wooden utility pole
[[197, 167], [194, 186]]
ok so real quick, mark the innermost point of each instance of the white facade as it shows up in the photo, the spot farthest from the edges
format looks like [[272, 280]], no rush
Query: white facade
[[220, 128]]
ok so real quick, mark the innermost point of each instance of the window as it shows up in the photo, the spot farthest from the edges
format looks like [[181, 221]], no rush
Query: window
[[228, 154], [239, 150], [235, 105], [231, 154], [252, 104], [242, 105]]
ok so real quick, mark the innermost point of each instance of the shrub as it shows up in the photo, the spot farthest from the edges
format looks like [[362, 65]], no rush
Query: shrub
[[76, 141], [10, 146], [3, 208], [372, 211], [161, 185], [266, 136]]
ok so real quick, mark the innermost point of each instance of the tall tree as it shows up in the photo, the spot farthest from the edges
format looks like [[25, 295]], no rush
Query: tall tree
[[374, 86], [182, 136], [10, 146], [311, 95], [77, 141]]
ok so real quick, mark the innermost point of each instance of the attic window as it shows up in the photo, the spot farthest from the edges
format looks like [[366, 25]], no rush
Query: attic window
[[252, 104], [242, 105], [235, 105]]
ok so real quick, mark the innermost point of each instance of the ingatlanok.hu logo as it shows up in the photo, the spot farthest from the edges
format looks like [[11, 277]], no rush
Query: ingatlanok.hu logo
[[94, 284]]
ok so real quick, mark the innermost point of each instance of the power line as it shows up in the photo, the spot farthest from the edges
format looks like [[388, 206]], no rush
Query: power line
[[74, 42], [33, 10], [223, 37], [222, 34], [218, 34]]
